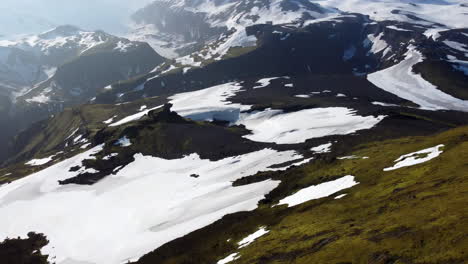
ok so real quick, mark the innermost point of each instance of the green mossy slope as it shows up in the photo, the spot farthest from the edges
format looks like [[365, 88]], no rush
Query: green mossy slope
[[414, 214]]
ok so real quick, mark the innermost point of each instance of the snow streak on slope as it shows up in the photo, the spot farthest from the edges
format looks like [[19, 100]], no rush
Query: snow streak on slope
[[269, 125], [133, 117], [145, 205], [244, 243], [325, 148], [229, 258], [401, 81], [252, 237], [319, 191], [415, 158]]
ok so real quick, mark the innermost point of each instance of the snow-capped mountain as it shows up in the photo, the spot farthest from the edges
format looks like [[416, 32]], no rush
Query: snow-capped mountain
[[212, 30], [279, 131], [179, 27], [176, 28], [33, 59], [69, 49], [42, 74], [345, 43]]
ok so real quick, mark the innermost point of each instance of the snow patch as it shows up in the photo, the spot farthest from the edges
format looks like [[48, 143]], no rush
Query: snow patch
[[340, 196], [377, 44], [124, 142], [123, 47], [41, 98], [40, 162], [108, 157], [209, 104], [229, 258], [325, 148], [252, 237], [266, 81], [414, 158], [319, 191], [398, 29], [383, 104], [349, 157], [108, 121], [456, 45], [85, 146], [302, 96]]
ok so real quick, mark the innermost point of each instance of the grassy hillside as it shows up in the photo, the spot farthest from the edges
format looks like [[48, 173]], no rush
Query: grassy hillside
[[411, 215]]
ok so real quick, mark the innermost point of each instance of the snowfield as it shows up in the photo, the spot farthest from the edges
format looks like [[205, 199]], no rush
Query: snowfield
[[269, 125], [414, 158], [145, 205], [401, 81], [450, 13], [319, 191], [209, 104], [296, 127]]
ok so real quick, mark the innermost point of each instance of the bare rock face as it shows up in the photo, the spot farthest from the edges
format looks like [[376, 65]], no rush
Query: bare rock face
[[166, 115]]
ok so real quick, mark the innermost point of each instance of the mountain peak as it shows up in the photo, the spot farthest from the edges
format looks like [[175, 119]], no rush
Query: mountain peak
[[63, 31]]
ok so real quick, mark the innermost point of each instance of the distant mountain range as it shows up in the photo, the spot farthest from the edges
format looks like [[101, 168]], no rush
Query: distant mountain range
[[42, 74]]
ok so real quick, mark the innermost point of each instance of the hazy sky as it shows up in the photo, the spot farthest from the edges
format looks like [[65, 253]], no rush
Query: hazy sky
[[108, 15]]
